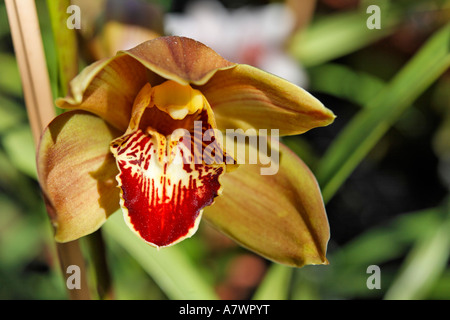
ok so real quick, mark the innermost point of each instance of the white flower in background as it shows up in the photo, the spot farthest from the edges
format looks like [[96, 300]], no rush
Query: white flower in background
[[249, 35]]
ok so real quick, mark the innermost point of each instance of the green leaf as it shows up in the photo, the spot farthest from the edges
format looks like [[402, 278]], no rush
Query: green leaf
[[10, 82], [370, 124], [65, 41], [380, 245], [343, 82], [11, 180], [11, 114], [275, 285], [22, 236], [4, 23], [386, 242], [337, 35], [19, 146], [169, 267], [424, 264]]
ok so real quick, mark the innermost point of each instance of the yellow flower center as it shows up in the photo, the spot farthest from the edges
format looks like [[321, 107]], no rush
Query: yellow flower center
[[169, 106], [177, 100]]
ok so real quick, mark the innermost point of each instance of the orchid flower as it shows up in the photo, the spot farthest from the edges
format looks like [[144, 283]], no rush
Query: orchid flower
[[135, 120]]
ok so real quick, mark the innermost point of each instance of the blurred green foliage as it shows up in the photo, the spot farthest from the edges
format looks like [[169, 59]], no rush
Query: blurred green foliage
[[384, 165]]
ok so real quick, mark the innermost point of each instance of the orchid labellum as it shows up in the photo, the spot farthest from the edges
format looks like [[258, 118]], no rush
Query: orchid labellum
[[136, 138]]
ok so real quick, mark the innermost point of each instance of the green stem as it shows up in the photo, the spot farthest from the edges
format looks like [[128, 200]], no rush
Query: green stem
[[70, 255], [65, 42], [97, 251]]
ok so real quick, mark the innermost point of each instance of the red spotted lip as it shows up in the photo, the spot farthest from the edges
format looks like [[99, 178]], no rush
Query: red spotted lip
[[164, 208]]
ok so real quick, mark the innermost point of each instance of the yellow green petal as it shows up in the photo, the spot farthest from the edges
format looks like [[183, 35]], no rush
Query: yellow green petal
[[246, 97], [281, 217], [107, 88], [77, 173], [180, 59]]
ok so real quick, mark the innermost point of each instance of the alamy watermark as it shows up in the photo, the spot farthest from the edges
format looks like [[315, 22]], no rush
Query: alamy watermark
[[236, 146], [74, 279], [374, 20], [74, 20], [203, 145], [374, 280]]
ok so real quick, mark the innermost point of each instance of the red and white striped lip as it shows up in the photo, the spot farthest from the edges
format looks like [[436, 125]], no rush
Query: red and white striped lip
[[163, 190]]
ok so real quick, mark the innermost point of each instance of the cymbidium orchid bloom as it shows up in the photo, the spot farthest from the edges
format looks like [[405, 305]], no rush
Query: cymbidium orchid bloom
[[119, 146]]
